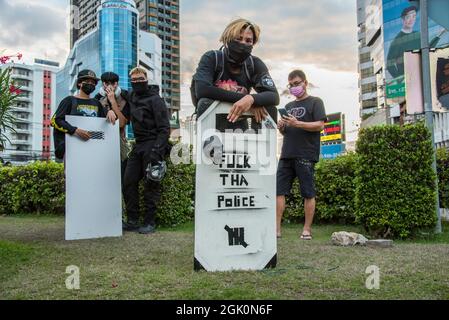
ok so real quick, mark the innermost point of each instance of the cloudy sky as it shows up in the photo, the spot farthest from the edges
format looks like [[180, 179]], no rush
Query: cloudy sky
[[317, 36]]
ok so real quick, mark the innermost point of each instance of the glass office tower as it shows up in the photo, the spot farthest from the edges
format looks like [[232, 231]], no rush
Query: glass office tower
[[116, 44], [118, 34]]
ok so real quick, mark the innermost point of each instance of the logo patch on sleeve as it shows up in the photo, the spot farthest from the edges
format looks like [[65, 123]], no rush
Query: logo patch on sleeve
[[267, 81]]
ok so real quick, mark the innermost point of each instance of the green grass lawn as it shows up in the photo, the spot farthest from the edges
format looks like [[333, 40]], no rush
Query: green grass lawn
[[34, 257]]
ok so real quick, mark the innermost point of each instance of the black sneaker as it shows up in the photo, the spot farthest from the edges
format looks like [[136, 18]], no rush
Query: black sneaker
[[130, 225], [147, 229]]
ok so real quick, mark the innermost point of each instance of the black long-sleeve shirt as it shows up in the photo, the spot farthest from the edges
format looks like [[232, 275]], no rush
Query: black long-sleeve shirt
[[208, 87], [149, 117], [75, 107]]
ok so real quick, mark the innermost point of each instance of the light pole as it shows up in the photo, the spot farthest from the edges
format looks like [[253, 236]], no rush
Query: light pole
[[427, 94], [387, 107]]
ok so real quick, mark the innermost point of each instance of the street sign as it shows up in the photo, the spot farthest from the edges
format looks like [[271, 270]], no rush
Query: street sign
[[333, 136], [334, 130]]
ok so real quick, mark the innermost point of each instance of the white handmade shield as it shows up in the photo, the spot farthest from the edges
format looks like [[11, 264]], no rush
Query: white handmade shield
[[235, 206], [93, 182]]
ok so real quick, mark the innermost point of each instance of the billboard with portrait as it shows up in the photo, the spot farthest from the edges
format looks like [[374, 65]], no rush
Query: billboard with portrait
[[402, 34]]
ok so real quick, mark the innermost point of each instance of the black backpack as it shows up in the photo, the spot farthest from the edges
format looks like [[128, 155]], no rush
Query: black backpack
[[219, 70]]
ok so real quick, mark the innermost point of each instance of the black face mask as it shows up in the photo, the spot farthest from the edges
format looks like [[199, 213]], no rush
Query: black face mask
[[88, 88], [238, 52], [140, 87]]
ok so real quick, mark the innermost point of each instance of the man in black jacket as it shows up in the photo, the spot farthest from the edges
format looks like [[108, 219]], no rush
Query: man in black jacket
[[150, 120], [230, 74]]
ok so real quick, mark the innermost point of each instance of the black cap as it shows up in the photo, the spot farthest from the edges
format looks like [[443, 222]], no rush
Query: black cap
[[407, 10], [87, 74], [110, 77]]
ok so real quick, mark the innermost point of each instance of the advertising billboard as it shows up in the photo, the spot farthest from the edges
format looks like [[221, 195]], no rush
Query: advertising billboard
[[439, 71], [333, 129], [331, 151], [333, 136], [402, 34], [413, 83], [373, 19]]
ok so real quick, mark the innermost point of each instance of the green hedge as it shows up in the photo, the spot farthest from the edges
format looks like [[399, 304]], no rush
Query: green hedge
[[334, 180], [335, 183], [294, 210], [443, 177], [177, 200], [40, 188], [395, 187], [35, 188]]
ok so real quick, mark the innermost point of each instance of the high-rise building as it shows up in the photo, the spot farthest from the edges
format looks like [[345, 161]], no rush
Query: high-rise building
[[32, 139], [118, 27], [368, 96], [159, 17], [188, 131], [83, 18], [115, 44]]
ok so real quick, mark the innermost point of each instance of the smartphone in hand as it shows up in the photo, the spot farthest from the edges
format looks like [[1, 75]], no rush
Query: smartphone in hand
[[283, 112]]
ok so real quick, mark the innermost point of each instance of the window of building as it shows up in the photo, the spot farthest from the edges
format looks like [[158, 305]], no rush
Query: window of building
[[367, 72], [365, 57], [372, 103], [370, 87]]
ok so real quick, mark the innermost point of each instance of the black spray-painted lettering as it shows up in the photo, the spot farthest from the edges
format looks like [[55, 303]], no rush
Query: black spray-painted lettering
[[235, 180], [236, 236], [235, 161], [236, 201]]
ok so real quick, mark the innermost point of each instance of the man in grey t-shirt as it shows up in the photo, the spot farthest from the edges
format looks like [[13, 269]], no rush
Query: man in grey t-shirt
[[300, 150]]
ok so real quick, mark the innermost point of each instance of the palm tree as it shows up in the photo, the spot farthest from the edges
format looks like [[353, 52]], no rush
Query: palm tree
[[8, 95]]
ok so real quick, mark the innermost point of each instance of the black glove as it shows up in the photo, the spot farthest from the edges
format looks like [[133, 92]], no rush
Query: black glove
[[155, 155]]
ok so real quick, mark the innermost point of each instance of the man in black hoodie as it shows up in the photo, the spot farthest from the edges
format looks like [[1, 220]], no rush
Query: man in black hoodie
[[230, 74], [150, 120]]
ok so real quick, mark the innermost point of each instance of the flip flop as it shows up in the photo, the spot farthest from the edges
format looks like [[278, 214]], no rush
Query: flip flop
[[306, 237]]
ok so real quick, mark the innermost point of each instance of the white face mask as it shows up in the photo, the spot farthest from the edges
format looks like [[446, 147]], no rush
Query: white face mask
[[152, 82], [117, 92]]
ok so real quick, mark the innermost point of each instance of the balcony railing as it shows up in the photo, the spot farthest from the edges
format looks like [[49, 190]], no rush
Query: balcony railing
[[20, 142], [24, 131], [23, 120], [19, 109], [21, 76], [25, 99]]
